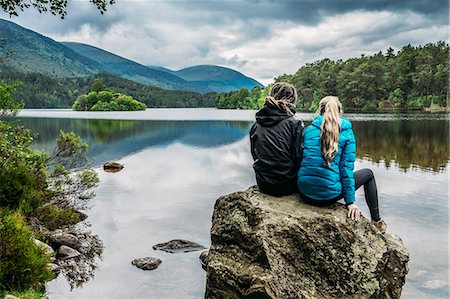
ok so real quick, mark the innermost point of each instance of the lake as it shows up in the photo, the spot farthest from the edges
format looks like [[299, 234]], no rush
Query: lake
[[178, 161]]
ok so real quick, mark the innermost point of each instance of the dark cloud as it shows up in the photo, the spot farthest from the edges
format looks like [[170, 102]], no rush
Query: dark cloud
[[311, 12], [260, 38]]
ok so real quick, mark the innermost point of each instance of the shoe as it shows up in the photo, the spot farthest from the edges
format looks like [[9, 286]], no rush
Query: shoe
[[381, 225]]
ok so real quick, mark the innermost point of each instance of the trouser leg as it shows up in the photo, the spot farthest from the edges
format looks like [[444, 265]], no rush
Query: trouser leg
[[365, 177]]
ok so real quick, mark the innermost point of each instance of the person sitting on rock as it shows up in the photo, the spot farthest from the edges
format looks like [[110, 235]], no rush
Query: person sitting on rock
[[326, 172], [275, 140]]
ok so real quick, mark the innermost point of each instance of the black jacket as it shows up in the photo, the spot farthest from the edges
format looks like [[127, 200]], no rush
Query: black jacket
[[276, 139]]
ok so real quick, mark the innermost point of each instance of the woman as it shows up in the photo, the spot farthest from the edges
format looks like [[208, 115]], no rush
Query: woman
[[326, 173], [275, 142]]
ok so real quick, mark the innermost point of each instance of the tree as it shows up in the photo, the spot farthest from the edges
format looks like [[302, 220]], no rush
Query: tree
[[98, 85], [8, 105], [55, 7]]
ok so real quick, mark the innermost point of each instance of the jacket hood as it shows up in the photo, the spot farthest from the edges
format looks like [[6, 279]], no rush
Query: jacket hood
[[345, 123], [269, 116]]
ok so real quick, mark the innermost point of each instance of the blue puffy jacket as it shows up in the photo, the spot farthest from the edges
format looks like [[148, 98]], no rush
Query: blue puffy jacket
[[316, 179]]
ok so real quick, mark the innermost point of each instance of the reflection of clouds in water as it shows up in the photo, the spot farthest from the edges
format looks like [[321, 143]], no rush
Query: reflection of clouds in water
[[169, 191], [415, 206], [161, 194], [166, 168]]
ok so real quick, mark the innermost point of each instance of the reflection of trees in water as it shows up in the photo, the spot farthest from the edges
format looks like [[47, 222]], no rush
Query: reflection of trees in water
[[411, 143], [106, 131], [406, 143], [81, 269]]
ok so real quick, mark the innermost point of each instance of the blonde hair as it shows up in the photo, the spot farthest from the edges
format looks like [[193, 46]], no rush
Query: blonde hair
[[331, 108], [282, 96]]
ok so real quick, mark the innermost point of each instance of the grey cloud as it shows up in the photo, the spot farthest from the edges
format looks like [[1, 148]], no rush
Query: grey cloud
[[235, 60], [245, 35], [311, 12]]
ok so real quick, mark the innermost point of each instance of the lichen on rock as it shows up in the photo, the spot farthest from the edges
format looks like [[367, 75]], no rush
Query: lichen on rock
[[279, 247]]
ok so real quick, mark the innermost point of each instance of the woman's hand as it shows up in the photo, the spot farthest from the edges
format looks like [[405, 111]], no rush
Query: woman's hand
[[353, 212]]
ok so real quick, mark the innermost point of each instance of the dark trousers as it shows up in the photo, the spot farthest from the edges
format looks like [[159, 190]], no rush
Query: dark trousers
[[363, 177]]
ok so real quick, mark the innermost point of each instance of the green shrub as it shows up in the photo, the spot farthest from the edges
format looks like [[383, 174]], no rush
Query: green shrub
[[29, 294], [53, 217], [107, 101], [23, 265], [23, 173]]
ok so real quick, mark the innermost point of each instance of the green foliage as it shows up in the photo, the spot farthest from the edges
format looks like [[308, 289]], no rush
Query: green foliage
[[29, 294], [98, 85], [23, 265], [23, 176], [50, 187], [406, 79], [8, 105], [107, 101], [55, 7], [240, 99], [53, 217], [40, 91]]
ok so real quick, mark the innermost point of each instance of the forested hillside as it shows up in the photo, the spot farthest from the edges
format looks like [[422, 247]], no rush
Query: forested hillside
[[40, 91], [412, 78]]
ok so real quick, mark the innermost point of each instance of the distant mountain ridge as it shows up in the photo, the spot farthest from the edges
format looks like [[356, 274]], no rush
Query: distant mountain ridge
[[213, 77], [128, 69], [36, 53]]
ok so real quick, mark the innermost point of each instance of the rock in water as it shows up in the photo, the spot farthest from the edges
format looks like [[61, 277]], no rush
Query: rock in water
[[112, 167], [178, 245], [62, 238], [146, 263], [268, 247], [65, 252]]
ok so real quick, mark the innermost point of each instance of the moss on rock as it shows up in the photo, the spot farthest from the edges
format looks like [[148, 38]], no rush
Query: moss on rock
[[267, 247]]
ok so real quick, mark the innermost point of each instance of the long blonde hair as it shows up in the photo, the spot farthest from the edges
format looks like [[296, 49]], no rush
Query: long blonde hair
[[282, 96], [331, 108]]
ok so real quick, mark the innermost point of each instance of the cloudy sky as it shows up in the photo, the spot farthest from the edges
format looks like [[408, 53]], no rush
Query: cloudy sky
[[261, 38]]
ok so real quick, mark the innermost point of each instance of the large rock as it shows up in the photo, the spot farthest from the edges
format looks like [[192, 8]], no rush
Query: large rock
[[268, 247], [59, 237]]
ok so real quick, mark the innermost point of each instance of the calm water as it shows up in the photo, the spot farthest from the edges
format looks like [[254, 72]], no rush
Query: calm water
[[176, 168]]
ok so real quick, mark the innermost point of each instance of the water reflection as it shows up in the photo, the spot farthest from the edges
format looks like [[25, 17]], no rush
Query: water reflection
[[407, 144], [113, 139], [174, 171]]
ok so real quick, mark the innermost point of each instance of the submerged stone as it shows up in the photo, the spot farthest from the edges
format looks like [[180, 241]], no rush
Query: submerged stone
[[112, 167], [146, 263], [178, 245], [279, 247]]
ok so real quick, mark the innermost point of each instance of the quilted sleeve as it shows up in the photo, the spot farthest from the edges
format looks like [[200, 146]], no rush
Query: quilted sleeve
[[346, 166]]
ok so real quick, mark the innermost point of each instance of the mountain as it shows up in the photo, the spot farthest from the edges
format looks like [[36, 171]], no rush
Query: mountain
[[213, 77], [34, 52], [125, 68]]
